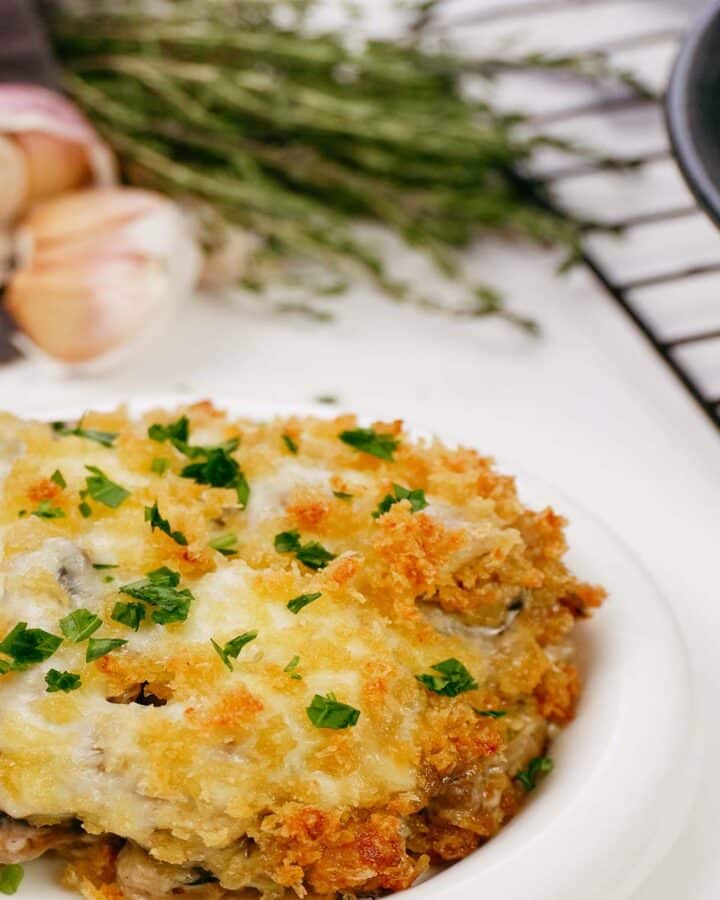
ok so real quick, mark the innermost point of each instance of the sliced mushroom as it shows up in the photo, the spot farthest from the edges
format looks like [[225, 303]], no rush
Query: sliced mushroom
[[141, 877], [68, 564], [142, 694], [20, 841]]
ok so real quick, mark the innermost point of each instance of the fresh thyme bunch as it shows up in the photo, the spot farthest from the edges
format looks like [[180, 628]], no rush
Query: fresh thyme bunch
[[296, 137]]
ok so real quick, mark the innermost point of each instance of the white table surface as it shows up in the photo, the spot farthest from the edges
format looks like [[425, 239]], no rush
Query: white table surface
[[588, 406]]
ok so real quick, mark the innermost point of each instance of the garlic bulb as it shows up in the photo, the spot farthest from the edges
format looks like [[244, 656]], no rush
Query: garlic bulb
[[97, 269], [47, 146]]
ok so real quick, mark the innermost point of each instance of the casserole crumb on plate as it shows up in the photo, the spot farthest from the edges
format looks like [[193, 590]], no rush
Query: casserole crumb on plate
[[240, 659]]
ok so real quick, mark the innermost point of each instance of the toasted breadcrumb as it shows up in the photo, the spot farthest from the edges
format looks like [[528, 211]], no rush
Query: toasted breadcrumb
[[190, 771]]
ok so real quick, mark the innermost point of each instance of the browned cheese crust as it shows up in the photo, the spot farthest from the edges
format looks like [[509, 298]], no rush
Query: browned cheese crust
[[184, 775]]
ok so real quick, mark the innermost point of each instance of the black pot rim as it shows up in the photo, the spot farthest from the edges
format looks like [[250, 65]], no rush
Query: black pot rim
[[677, 114]]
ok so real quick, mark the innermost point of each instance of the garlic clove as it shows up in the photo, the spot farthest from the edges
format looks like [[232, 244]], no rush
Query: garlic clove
[[53, 165], [113, 222], [14, 180], [82, 311], [83, 216], [98, 269], [59, 147]]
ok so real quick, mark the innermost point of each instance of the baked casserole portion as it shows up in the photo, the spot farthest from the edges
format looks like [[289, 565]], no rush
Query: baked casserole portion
[[247, 659]]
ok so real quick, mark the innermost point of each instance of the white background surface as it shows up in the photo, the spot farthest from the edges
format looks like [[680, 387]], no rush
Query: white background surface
[[588, 407]]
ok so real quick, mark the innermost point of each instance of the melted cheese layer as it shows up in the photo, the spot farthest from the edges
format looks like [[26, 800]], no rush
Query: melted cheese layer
[[216, 754]]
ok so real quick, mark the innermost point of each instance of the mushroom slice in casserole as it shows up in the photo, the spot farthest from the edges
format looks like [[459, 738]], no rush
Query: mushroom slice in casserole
[[300, 657]]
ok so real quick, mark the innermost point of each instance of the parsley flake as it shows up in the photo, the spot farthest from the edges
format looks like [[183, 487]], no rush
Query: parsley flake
[[79, 625], [298, 603], [290, 444], [416, 498], [28, 646], [232, 649], [312, 554], [57, 478], [160, 590], [538, 766], [11, 877], [85, 510], [287, 542], [341, 495], [328, 712], [227, 544], [490, 713], [101, 566], [367, 440], [219, 469], [130, 614], [452, 679], [159, 465], [103, 490], [291, 667], [106, 438], [98, 647], [175, 432], [45, 510], [61, 681], [215, 466], [152, 515]]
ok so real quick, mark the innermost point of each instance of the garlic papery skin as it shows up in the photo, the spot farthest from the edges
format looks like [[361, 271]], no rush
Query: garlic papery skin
[[58, 147], [91, 289]]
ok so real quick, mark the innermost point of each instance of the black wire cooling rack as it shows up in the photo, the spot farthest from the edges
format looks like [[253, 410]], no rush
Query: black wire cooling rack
[[621, 288]]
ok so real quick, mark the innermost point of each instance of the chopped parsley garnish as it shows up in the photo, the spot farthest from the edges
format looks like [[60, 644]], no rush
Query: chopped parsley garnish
[[328, 399], [79, 625], [85, 509], [538, 766], [152, 515], [160, 590], [227, 544], [57, 478], [11, 877], [45, 510], [101, 566], [219, 469], [215, 466], [416, 498], [22, 513], [61, 681], [367, 440], [130, 614], [176, 432], [290, 443], [312, 554], [290, 668], [103, 490], [232, 648], [106, 438], [490, 713], [452, 679], [27, 646], [98, 647], [159, 465], [298, 603], [287, 542], [328, 712], [341, 495]]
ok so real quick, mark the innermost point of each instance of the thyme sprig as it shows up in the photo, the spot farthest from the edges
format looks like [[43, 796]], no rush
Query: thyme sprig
[[295, 137]]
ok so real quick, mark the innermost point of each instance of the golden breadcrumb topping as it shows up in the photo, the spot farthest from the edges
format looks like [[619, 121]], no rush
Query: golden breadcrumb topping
[[295, 657]]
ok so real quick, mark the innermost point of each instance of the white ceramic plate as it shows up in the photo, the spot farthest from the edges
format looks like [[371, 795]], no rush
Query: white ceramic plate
[[625, 769]]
